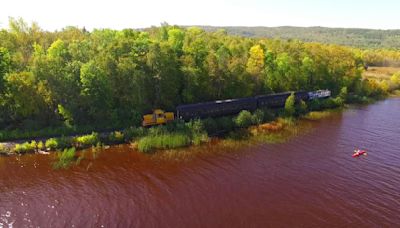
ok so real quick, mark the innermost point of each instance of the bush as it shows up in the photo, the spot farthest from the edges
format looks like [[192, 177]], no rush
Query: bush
[[258, 117], [301, 108], [166, 141], [51, 144], [195, 127], [116, 137], [40, 145], [244, 119], [3, 149], [343, 94], [197, 139], [64, 142], [269, 115], [26, 147], [289, 105], [87, 140], [134, 132], [226, 123], [210, 125]]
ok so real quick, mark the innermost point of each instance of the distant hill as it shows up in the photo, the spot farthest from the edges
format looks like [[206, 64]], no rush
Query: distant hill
[[362, 38]]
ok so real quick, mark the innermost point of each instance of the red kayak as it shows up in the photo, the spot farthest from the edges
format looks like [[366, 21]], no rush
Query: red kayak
[[358, 153]]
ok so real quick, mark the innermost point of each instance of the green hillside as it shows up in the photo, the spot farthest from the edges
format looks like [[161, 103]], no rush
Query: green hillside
[[362, 38]]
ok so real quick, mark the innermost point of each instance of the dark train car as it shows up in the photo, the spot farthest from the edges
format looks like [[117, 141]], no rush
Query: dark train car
[[215, 108], [276, 100], [302, 95]]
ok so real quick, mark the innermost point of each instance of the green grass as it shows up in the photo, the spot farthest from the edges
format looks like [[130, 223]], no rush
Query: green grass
[[65, 159], [165, 141], [317, 115]]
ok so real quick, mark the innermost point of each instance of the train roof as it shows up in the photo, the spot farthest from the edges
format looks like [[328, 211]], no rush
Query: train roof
[[215, 102], [280, 94], [274, 94]]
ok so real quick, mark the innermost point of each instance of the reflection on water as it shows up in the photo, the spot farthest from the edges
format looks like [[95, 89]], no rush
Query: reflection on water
[[310, 180]]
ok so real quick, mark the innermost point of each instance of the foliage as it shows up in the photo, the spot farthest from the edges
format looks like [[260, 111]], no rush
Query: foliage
[[58, 143], [301, 108], [65, 159], [289, 105], [134, 132], [116, 137], [164, 141], [87, 140], [51, 144], [25, 147], [317, 115], [210, 125], [257, 117], [244, 119], [3, 149], [363, 38], [75, 81]]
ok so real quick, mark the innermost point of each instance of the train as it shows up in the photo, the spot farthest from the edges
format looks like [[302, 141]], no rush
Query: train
[[234, 106]]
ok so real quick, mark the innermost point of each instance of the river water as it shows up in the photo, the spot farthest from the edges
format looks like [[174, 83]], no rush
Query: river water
[[309, 181]]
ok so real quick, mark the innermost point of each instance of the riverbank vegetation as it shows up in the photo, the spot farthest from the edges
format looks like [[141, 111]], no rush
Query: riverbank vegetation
[[74, 82]]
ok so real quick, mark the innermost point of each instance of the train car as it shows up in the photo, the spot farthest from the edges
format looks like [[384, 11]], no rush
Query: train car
[[276, 100], [215, 108], [319, 94], [302, 95]]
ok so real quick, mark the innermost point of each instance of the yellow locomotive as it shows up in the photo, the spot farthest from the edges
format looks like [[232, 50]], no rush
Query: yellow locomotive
[[158, 117]]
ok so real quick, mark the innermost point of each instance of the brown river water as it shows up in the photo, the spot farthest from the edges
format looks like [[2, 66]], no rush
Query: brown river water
[[309, 181]]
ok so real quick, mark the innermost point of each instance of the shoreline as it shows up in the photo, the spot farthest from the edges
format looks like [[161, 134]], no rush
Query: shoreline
[[275, 131], [8, 148]]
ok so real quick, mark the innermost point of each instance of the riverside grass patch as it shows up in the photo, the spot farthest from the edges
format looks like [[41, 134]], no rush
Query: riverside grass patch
[[65, 159], [164, 141]]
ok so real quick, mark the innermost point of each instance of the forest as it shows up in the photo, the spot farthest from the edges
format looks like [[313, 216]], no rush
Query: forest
[[108, 78], [354, 37]]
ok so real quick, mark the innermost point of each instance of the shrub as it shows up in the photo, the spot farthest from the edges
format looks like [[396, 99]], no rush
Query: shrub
[[51, 144], [343, 94], [64, 142], [25, 147], [289, 105], [116, 137], [40, 145], [3, 149], [301, 108], [315, 105], [269, 115], [258, 117], [197, 139], [195, 127], [226, 123], [244, 119], [87, 140], [134, 132], [210, 125]]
